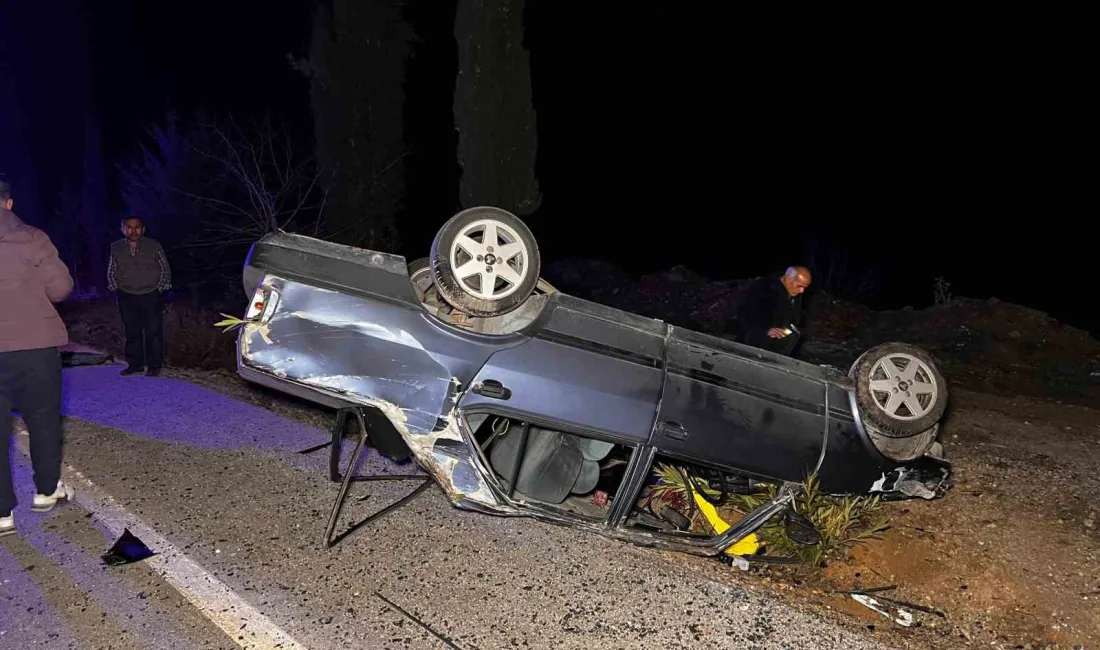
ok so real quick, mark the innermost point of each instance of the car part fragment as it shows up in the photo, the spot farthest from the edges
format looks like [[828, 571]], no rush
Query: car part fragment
[[799, 529], [373, 425]]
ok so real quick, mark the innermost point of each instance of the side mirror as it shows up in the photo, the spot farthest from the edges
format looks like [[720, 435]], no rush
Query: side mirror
[[800, 530]]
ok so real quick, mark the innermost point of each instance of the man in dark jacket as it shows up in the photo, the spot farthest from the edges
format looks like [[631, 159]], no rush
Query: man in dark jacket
[[138, 273], [771, 315], [32, 278]]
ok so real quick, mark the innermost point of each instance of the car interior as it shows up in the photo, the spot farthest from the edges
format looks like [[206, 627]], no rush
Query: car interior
[[555, 470], [578, 475]]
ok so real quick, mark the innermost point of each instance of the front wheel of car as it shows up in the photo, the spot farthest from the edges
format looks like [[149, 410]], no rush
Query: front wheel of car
[[899, 390], [485, 261]]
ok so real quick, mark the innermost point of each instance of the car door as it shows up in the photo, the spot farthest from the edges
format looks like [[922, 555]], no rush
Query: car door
[[738, 407], [586, 369]]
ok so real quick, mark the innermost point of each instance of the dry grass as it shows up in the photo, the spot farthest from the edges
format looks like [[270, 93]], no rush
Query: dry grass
[[191, 339]]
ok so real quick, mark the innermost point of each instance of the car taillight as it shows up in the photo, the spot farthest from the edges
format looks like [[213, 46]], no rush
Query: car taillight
[[262, 304]]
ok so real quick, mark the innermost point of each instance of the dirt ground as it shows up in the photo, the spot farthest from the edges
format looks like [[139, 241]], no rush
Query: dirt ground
[[1010, 556]]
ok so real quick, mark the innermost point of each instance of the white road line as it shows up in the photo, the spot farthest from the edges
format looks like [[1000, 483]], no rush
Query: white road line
[[212, 597]]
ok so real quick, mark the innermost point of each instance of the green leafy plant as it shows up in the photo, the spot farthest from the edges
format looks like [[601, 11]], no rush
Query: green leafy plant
[[230, 323], [842, 522], [670, 490]]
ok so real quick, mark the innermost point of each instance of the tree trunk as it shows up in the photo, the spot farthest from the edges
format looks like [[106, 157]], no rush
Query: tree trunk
[[93, 205], [357, 72], [493, 108]]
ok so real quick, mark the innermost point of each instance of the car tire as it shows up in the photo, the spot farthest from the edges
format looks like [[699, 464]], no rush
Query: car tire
[[896, 397], [420, 274], [503, 283]]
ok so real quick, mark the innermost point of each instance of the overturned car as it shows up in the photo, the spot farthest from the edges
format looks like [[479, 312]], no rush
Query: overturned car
[[519, 399]]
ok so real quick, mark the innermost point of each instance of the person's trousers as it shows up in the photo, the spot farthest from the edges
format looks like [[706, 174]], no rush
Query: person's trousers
[[30, 382], [143, 323]]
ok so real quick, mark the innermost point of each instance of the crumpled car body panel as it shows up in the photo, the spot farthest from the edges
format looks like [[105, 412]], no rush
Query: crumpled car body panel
[[346, 328]]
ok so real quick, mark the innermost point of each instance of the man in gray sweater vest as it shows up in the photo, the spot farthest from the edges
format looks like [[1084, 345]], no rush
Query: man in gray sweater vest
[[138, 273]]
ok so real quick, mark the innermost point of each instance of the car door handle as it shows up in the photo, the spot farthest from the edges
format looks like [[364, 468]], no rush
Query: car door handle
[[673, 430], [492, 388]]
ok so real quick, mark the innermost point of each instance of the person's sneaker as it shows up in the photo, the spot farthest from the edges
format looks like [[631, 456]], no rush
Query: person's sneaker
[[129, 370], [152, 372], [45, 503], [7, 525]]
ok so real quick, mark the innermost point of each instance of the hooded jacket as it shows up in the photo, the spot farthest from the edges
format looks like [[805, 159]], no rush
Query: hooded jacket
[[32, 278]]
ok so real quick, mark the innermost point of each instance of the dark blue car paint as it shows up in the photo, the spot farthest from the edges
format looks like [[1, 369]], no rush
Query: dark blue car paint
[[348, 329]]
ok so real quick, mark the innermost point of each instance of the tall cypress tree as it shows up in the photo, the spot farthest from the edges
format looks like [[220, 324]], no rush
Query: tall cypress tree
[[493, 108], [357, 70]]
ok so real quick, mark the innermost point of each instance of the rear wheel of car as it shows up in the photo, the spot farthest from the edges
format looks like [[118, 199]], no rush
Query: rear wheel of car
[[899, 390], [485, 261]]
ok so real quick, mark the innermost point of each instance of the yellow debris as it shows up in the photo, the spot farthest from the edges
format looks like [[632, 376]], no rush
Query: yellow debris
[[747, 546]]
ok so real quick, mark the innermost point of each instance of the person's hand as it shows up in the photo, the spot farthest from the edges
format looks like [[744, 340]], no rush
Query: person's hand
[[777, 333]]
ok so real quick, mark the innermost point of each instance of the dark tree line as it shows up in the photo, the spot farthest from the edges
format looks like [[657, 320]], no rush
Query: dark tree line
[[357, 67], [51, 148], [209, 184]]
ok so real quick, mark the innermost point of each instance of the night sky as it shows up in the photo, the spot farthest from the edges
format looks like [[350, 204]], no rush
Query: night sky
[[915, 146]]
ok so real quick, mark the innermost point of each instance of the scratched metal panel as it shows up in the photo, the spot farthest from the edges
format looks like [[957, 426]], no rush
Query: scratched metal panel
[[366, 348], [579, 323], [575, 388], [597, 311], [348, 345], [772, 366], [851, 463], [736, 415], [349, 270], [381, 354]]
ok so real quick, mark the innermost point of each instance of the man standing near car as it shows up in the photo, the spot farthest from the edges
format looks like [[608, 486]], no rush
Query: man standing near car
[[771, 314], [138, 273], [32, 278]]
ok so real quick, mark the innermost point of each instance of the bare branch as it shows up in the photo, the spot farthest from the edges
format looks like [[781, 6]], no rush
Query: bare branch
[[232, 182], [391, 165]]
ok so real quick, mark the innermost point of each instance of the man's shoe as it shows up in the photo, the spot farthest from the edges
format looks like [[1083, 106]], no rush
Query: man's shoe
[[152, 372], [131, 370], [44, 503], [7, 525]]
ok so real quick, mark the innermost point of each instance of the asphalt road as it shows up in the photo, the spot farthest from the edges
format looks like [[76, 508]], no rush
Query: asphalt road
[[217, 489]]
